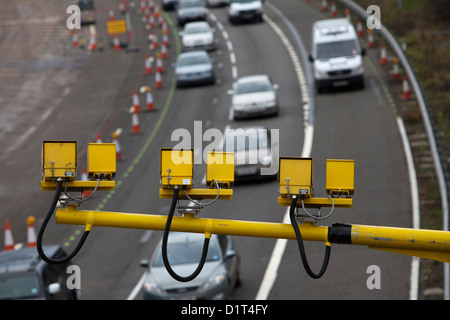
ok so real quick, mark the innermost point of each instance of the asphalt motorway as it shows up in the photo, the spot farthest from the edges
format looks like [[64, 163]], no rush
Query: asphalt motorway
[[354, 124]]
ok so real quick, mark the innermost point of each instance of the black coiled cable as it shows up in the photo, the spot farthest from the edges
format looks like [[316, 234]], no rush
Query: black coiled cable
[[302, 248], [44, 225], [164, 246]]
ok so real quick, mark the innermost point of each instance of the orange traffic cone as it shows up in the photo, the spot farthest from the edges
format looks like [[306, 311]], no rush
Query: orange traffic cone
[[163, 51], [347, 15], [151, 21], [333, 10], [136, 103], [116, 43], [159, 64], [359, 29], [136, 128], [158, 80], [9, 241], [115, 140], [149, 99], [84, 177], [165, 39], [406, 91], [92, 42], [383, 58], [31, 233], [148, 65], [111, 15], [74, 40], [155, 40], [395, 73], [324, 5], [370, 39], [98, 137]]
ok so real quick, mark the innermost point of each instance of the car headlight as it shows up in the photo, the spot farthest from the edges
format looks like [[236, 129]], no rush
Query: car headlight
[[266, 160], [151, 286], [216, 279], [359, 69]]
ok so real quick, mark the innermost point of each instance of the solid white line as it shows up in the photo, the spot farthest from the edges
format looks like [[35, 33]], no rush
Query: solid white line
[[137, 288]]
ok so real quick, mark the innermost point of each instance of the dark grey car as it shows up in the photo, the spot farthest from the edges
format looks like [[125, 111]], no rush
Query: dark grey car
[[190, 10], [217, 279], [24, 275]]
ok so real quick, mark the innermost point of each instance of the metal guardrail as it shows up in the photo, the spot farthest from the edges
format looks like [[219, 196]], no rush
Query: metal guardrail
[[430, 126]]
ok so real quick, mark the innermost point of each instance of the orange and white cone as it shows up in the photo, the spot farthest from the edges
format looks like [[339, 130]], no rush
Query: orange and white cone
[[98, 137], [165, 34], [116, 43], [158, 80], [151, 5], [9, 241], [347, 15], [136, 103], [115, 140], [163, 51], [74, 40], [395, 72], [149, 99], [406, 91], [84, 177], [155, 40], [148, 65], [165, 39], [151, 21], [156, 11], [333, 10], [370, 39], [136, 128], [31, 233], [159, 64], [92, 43], [160, 20], [324, 5], [383, 56], [359, 29], [111, 15]]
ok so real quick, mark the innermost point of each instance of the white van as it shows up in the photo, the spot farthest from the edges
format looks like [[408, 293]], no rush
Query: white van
[[336, 54]]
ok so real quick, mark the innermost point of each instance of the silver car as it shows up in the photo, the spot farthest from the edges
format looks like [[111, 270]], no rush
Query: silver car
[[194, 67], [217, 279], [253, 96], [190, 10], [198, 35], [255, 152]]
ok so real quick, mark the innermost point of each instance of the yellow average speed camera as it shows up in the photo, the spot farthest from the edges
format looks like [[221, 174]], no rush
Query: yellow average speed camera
[[177, 168], [59, 159]]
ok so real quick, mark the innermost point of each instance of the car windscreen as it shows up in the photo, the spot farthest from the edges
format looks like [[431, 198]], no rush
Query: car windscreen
[[192, 61], [242, 1], [189, 4], [249, 139], [253, 86], [335, 49], [186, 253], [196, 29], [21, 286]]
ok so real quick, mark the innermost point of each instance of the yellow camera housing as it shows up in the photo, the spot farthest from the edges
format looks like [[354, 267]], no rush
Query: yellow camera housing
[[177, 167], [220, 167], [59, 159], [295, 176], [102, 161], [340, 177]]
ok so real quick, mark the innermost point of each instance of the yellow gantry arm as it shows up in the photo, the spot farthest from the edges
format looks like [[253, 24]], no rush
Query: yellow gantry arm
[[428, 244]]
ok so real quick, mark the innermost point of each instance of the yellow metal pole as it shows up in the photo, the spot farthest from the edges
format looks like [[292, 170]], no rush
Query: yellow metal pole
[[430, 244]]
